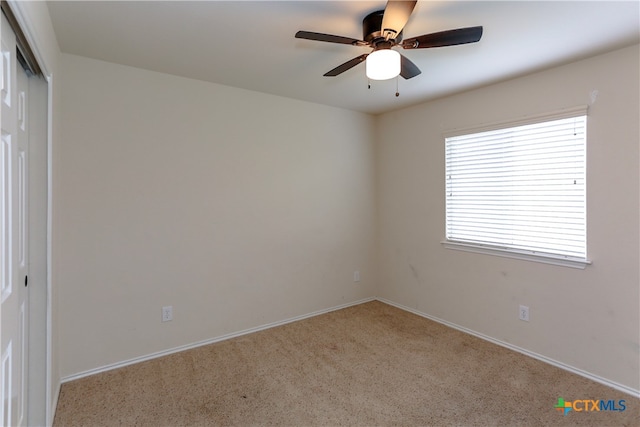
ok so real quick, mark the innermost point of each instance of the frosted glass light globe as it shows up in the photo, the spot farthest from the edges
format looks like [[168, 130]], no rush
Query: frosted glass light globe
[[383, 64]]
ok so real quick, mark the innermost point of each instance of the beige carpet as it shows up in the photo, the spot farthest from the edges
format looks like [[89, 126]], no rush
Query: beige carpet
[[368, 365]]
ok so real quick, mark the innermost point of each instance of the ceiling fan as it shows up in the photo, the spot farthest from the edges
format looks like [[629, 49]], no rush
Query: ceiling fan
[[382, 32]]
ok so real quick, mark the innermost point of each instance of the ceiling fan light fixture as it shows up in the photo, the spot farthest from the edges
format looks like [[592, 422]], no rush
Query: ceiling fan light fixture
[[383, 64]]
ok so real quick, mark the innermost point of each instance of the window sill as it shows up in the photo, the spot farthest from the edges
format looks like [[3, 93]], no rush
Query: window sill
[[516, 254]]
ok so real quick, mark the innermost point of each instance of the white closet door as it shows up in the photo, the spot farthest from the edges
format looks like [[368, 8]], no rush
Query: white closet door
[[14, 261]]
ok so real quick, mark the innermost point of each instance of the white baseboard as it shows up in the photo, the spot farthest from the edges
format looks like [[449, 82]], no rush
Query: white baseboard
[[206, 342], [596, 378]]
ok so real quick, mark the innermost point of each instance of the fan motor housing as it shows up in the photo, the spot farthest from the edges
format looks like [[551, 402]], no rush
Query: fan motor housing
[[372, 28]]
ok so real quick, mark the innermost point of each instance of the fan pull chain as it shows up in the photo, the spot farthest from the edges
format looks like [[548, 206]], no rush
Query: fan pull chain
[[397, 88]]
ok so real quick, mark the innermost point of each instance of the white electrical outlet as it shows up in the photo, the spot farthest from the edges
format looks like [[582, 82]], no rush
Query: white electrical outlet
[[356, 276], [523, 313], [167, 313]]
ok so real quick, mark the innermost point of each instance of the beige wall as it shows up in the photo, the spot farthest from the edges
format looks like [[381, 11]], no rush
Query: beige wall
[[587, 319], [237, 208], [241, 209]]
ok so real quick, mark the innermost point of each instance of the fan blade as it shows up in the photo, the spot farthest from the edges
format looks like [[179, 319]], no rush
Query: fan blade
[[396, 15], [408, 69], [444, 38], [328, 38], [346, 66]]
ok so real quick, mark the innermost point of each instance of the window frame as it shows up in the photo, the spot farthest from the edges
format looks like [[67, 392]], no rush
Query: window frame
[[489, 249]]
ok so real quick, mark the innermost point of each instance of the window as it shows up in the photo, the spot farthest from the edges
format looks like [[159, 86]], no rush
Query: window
[[520, 191]]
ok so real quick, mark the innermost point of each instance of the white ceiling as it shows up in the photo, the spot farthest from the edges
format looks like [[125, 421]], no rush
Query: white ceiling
[[251, 44]]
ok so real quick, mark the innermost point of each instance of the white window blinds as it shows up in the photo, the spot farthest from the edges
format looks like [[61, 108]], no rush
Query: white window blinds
[[520, 188]]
